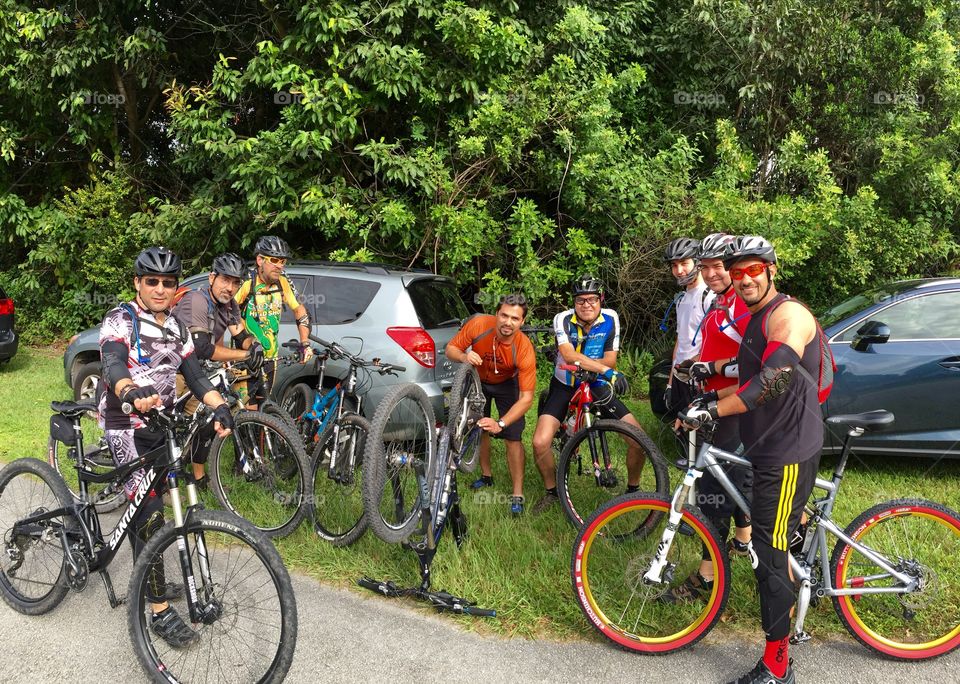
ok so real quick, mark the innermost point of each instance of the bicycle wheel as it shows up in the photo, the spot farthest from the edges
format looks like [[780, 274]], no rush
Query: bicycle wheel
[[609, 561], [248, 632], [338, 495], [922, 540], [296, 400], [466, 408], [107, 497], [400, 451], [276, 490], [272, 408], [577, 486], [32, 563]]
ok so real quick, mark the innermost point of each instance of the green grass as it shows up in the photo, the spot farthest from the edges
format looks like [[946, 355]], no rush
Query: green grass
[[519, 567]]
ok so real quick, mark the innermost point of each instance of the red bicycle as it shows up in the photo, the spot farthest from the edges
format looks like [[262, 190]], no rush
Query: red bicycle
[[617, 453]]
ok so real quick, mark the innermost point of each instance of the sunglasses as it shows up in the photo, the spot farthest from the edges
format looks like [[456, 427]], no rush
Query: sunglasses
[[277, 261], [753, 270], [169, 283], [586, 301]]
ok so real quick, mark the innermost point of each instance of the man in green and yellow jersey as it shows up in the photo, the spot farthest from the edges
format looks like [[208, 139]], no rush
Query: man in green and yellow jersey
[[261, 299]]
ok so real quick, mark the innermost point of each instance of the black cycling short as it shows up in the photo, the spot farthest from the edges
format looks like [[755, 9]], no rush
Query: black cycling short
[[506, 394], [559, 395]]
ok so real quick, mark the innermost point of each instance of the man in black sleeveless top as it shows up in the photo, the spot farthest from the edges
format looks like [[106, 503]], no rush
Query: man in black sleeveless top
[[781, 429]]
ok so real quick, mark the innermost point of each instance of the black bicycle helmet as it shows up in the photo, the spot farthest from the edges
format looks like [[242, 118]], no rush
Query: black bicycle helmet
[[714, 246], [271, 245], [681, 249], [587, 284], [749, 246], [157, 261], [228, 264]]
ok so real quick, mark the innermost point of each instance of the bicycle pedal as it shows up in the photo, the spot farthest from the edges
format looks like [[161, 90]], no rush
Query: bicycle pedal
[[800, 638]]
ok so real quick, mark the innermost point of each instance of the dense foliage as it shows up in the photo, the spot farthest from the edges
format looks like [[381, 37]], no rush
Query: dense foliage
[[507, 144]]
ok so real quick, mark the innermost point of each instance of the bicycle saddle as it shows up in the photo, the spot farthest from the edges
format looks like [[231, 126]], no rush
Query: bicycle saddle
[[72, 409], [866, 421]]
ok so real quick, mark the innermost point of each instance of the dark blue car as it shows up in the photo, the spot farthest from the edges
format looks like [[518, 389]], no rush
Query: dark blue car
[[897, 347]]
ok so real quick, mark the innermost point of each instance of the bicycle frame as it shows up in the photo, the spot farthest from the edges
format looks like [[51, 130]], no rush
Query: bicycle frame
[[98, 552], [819, 510]]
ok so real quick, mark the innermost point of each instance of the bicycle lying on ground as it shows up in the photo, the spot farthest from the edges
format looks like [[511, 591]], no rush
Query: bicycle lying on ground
[[419, 480], [234, 588], [892, 576], [332, 427]]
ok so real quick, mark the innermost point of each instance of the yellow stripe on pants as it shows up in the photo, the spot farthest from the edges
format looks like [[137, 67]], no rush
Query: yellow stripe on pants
[[788, 489]]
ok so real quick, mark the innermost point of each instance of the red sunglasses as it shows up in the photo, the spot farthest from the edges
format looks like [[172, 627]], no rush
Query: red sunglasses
[[753, 270]]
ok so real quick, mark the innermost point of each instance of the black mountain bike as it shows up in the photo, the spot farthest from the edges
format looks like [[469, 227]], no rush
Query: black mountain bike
[[235, 589], [400, 452]]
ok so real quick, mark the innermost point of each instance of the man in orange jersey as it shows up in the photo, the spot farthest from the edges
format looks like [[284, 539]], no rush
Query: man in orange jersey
[[507, 366]]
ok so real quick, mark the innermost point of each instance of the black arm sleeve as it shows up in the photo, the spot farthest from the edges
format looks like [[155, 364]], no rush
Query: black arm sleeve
[[203, 344], [774, 377], [198, 383], [113, 359]]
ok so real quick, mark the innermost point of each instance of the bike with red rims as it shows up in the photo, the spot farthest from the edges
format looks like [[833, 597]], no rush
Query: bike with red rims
[[891, 576], [600, 457]]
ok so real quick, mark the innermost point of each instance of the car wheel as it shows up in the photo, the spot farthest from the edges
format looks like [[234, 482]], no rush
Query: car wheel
[[85, 382]]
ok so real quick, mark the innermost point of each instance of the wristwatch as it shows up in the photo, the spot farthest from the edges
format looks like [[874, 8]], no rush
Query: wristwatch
[[501, 424]]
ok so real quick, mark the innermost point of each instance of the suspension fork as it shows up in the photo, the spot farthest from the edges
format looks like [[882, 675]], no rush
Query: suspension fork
[[655, 575]]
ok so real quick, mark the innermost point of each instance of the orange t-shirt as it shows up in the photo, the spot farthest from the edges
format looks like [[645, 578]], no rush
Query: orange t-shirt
[[501, 360]]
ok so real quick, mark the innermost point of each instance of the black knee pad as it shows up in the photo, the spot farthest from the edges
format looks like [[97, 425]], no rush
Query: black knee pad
[[775, 589]]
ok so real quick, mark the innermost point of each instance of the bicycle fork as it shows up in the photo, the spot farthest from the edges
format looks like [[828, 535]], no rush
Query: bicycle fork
[[661, 571], [205, 611]]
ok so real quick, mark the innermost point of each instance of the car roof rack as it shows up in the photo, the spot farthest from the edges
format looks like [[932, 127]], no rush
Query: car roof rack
[[366, 266]]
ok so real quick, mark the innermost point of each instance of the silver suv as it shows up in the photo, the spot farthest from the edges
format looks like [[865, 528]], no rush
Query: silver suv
[[404, 317]]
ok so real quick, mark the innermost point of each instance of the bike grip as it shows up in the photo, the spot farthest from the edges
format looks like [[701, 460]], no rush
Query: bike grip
[[292, 344], [402, 369], [479, 612], [569, 367], [314, 338]]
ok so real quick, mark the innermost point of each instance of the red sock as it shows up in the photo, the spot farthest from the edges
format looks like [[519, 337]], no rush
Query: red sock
[[775, 657]]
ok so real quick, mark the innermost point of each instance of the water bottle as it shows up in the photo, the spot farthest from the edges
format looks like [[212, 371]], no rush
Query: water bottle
[[571, 425]]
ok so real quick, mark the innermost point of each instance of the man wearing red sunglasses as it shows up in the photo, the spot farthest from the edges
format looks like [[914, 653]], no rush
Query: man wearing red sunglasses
[[781, 430]]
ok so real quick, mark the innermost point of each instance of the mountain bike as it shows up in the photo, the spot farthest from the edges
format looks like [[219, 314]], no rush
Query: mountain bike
[[401, 441], [337, 436], [595, 459], [260, 470], [234, 588], [62, 456], [892, 575]]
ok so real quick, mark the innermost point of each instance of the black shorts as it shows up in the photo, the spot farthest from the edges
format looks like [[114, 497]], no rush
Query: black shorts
[[559, 395], [506, 395]]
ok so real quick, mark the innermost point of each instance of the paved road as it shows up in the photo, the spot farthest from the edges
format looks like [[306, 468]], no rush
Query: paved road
[[349, 637]]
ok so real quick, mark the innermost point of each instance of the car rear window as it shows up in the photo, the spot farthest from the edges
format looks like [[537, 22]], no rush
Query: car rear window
[[335, 301], [437, 303]]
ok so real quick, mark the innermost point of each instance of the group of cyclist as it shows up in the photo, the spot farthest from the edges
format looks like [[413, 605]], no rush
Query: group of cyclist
[[745, 358], [151, 348]]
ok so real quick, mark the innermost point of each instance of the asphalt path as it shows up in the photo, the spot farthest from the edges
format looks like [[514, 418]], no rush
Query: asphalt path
[[346, 636]]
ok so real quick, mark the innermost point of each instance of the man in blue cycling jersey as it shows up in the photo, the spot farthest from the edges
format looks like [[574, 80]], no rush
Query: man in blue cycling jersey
[[587, 336]]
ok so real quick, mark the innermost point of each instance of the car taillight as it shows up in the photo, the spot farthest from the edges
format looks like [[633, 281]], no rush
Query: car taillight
[[6, 306], [417, 343]]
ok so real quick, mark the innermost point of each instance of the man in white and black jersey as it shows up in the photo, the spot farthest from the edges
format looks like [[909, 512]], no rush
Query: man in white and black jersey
[[142, 347], [692, 305]]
